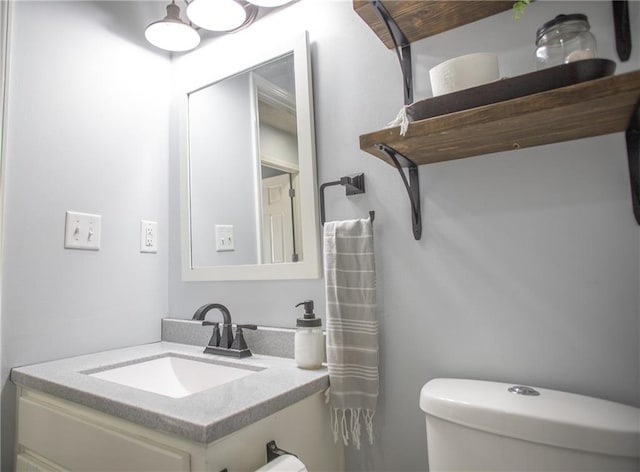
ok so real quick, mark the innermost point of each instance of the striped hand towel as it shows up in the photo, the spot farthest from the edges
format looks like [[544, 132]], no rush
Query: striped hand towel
[[352, 328]]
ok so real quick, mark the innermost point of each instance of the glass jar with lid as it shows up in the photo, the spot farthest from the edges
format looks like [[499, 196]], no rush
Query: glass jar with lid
[[564, 39]]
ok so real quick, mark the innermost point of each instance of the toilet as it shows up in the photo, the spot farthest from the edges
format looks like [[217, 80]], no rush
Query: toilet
[[477, 425]]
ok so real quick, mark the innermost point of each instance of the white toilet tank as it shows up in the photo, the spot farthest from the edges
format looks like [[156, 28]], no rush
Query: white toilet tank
[[476, 425]]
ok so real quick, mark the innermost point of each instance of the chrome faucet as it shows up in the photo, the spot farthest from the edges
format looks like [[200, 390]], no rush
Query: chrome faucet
[[223, 344]]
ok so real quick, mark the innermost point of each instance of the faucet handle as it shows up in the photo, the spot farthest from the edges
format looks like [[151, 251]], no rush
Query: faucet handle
[[247, 326], [239, 343], [215, 336]]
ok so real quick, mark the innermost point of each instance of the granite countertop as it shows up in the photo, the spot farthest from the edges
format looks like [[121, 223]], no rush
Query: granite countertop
[[201, 417]]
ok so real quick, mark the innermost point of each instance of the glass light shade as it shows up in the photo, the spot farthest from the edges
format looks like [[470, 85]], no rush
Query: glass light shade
[[217, 15], [171, 33], [269, 3]]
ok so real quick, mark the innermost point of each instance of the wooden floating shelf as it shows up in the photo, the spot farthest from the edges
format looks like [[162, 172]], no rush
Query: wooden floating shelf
[[593, 108], [419, 19]]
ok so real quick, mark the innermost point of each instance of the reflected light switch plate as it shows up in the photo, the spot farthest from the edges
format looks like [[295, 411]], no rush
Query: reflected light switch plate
[[224, 238]]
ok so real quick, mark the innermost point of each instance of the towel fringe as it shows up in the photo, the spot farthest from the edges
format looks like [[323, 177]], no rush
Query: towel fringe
[[334, 423], [355, 426], [401, 120], [345, 431], [350, 428], [368, 423]]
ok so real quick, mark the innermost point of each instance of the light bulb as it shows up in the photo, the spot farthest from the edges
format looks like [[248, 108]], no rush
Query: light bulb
[[171, 33], [217, 15]]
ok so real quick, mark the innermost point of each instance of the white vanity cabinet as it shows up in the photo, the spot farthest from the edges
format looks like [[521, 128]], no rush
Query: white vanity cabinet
[[58, 435]]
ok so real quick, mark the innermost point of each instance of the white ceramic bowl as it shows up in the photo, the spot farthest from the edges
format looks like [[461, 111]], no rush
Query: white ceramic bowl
[[464, 72]]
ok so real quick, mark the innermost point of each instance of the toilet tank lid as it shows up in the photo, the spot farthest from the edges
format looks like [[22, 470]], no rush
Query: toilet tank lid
[[555, 418]]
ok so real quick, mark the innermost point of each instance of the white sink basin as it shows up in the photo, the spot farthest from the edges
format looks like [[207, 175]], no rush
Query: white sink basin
[[174, 376]]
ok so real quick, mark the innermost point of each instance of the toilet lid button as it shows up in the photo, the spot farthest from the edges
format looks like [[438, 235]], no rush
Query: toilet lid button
[[523, 390]]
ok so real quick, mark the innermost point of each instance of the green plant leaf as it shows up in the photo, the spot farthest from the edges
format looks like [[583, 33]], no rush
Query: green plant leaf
[[518, 8]]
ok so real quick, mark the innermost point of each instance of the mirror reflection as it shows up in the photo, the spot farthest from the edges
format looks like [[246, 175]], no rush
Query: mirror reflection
[[244, 169]]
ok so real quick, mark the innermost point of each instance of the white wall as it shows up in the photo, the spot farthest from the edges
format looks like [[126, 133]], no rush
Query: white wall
[[4, 36], [87, 130], [527, 270], [278, 145]]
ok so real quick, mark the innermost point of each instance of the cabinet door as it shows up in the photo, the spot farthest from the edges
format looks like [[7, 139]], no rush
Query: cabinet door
[[26, 463], [66, 437]]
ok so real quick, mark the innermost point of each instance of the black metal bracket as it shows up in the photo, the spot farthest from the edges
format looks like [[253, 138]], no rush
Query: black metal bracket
[[633, 153], [273, 451], [402, 48], [353, 185], [412, 185], [623, 31]]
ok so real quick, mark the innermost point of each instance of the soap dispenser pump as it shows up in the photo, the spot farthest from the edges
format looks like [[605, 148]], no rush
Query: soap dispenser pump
[[309, 339]]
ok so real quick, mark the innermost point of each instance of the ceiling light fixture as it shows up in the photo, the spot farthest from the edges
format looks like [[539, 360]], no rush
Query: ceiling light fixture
[[171, 33], [221, 15]]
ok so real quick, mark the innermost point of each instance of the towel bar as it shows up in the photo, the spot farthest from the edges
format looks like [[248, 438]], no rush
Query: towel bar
[[353, 184]]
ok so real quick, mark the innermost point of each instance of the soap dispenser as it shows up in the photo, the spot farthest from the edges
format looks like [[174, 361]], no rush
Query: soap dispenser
[[309, 340]]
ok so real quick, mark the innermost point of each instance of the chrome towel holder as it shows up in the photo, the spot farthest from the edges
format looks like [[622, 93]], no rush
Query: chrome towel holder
[[353, 184]]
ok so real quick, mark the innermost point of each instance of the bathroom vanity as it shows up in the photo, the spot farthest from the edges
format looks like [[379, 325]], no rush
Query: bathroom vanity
[[71, 418]]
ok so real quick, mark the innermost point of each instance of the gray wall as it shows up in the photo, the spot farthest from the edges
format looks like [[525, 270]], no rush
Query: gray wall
[[527, 270], [223, 172], [88, 122]]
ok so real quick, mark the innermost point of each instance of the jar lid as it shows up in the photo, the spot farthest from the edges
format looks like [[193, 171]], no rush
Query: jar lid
[[308, 322], [559, 20]]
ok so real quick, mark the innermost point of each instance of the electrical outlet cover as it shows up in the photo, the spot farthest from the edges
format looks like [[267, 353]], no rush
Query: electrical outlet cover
[[148, 236]]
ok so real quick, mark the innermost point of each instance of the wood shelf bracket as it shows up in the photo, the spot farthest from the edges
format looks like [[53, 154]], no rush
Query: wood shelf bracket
[[412, 184], [633, 153], [402, 48]]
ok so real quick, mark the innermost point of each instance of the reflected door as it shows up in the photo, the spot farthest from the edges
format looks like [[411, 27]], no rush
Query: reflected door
[[277, 220]]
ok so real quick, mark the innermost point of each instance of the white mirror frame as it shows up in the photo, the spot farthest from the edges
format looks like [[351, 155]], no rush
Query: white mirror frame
[[310, 267]]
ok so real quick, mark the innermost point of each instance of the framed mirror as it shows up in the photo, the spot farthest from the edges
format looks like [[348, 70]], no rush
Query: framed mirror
[[248, 169]]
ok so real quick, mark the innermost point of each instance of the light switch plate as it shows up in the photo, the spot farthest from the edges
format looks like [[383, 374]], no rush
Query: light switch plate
[[224, 238], [82, 231], [148, 236]]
